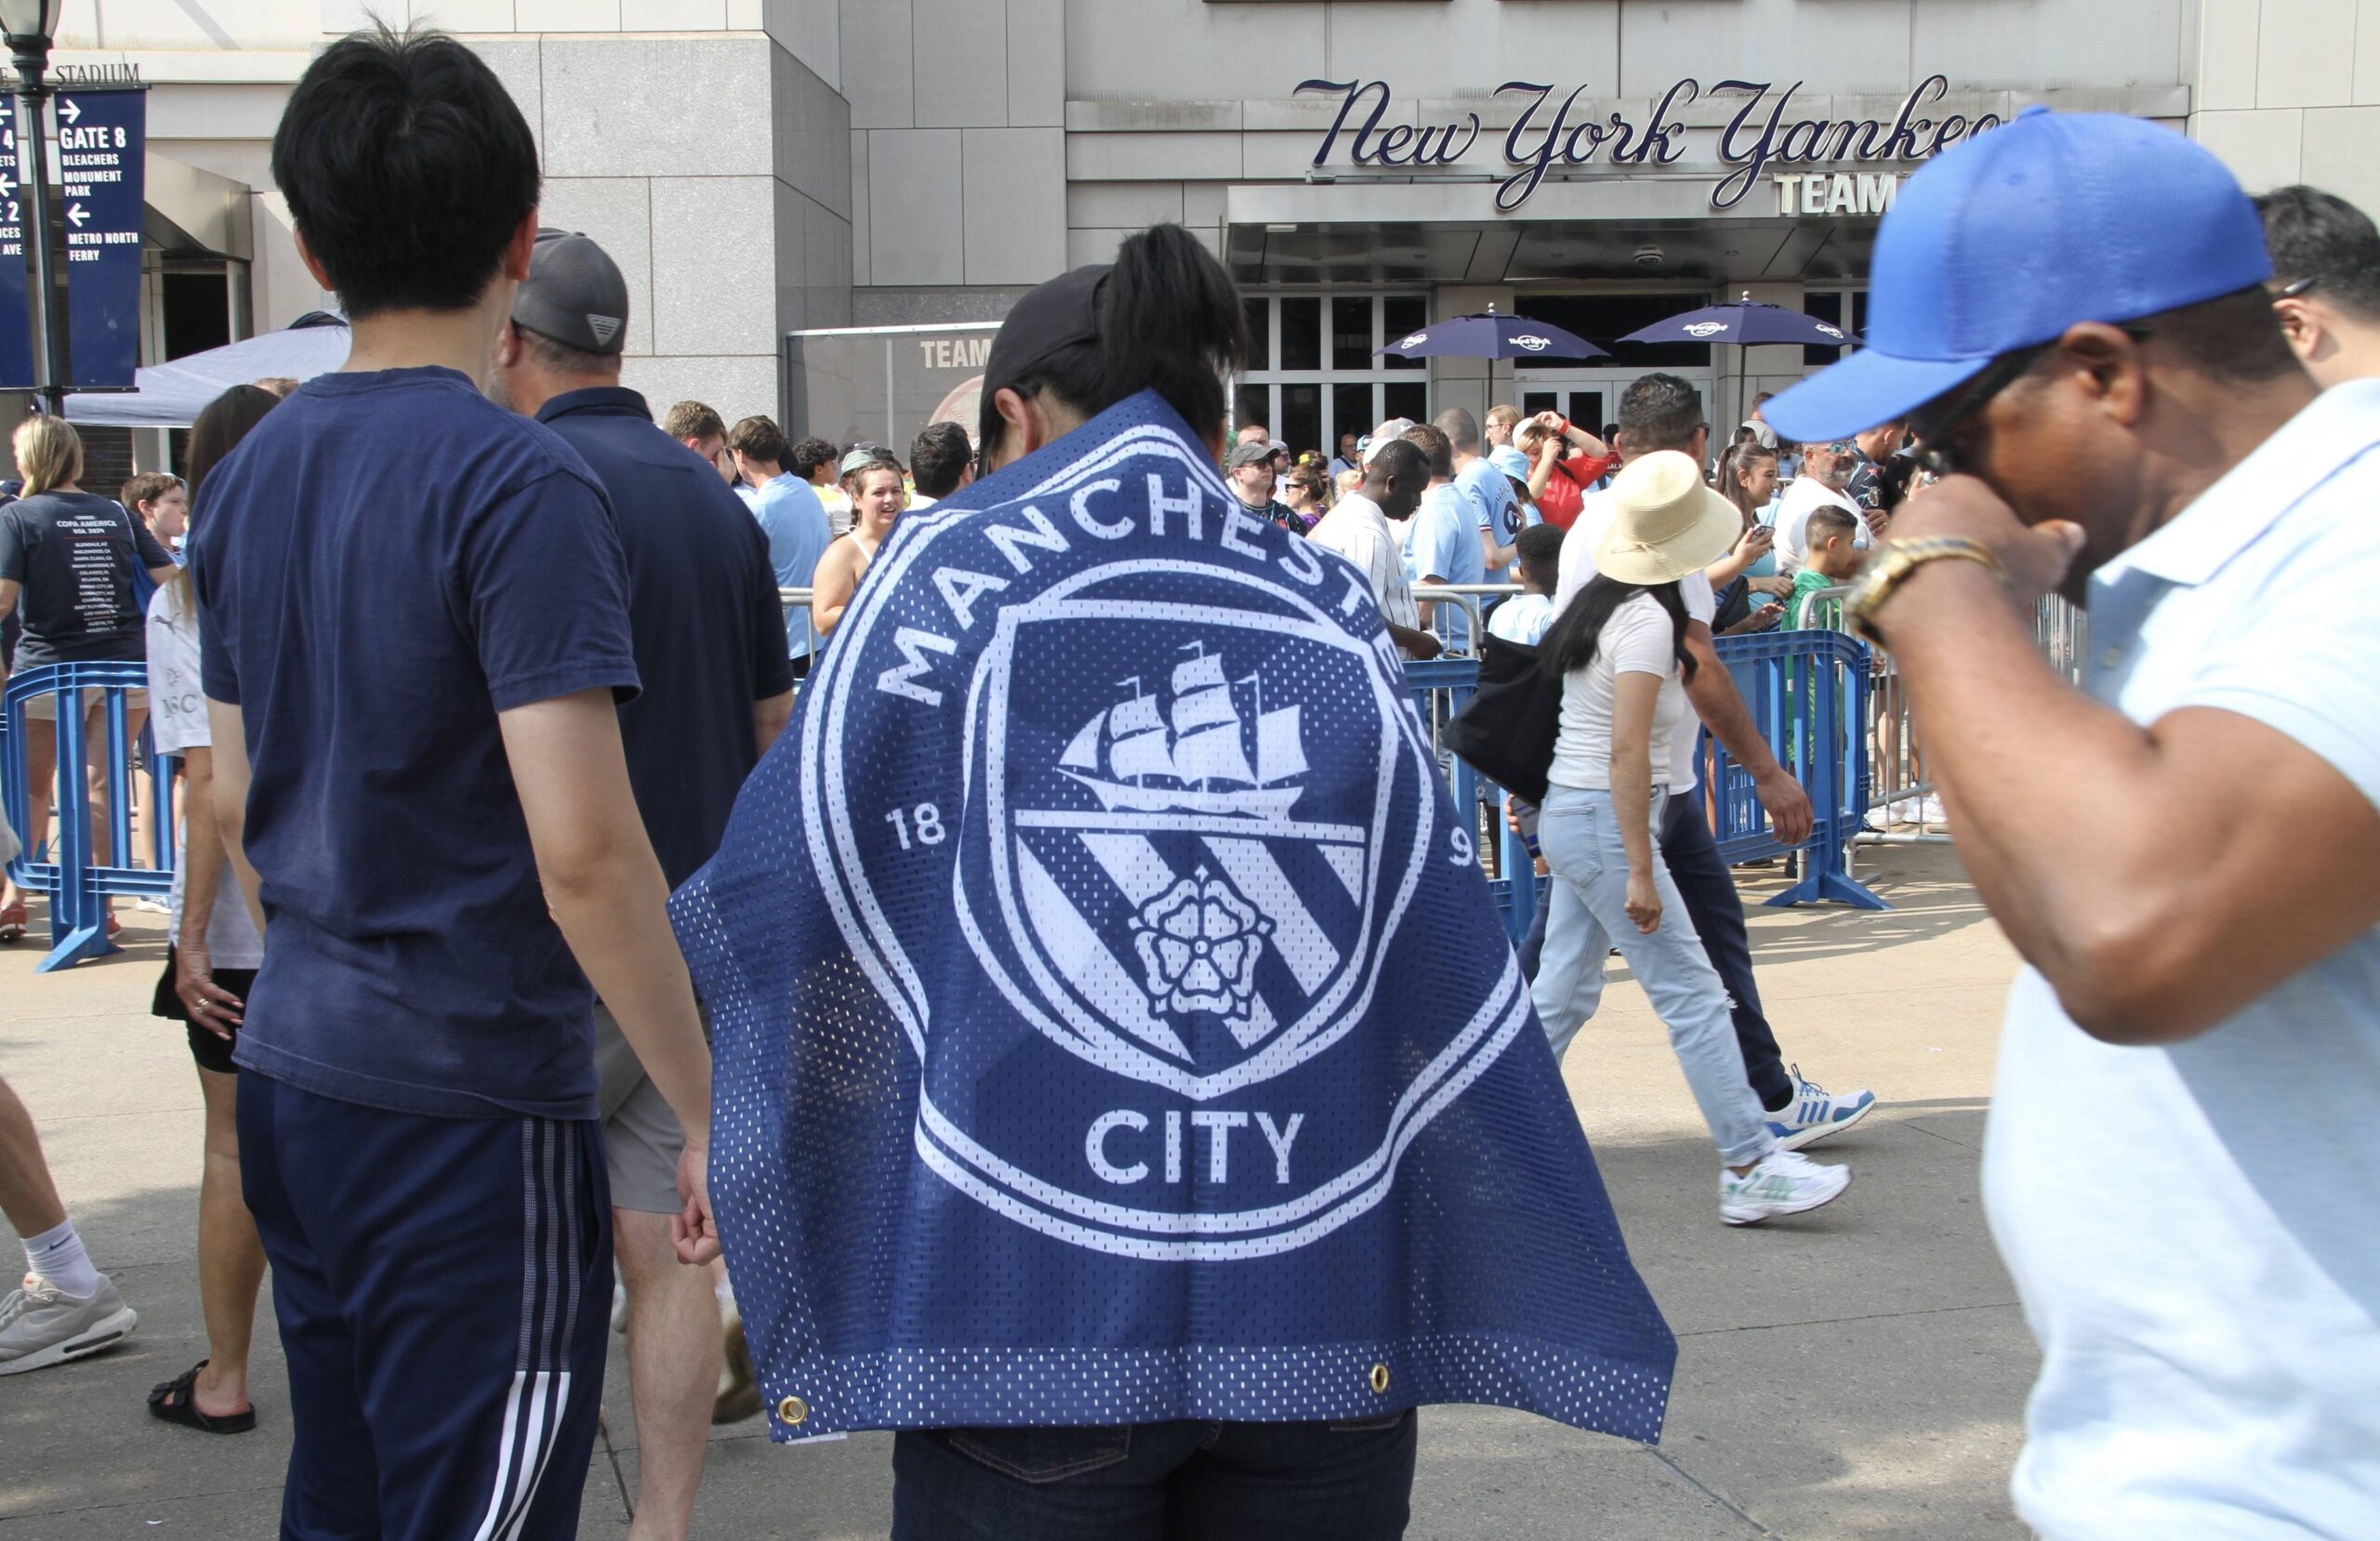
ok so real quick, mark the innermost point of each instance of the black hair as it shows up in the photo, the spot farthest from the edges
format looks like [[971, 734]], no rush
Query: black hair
[[2319, 235], [1398, 457], [808, 456], [1170, 320], [1434, 449], [2235, 338], [939, 457], [1660, 411], [1539, 549], [407, 170], [758, 438], [1569, 643]]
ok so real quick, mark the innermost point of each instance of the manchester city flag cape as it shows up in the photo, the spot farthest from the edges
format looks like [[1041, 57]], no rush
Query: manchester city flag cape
[[1112, 1021]]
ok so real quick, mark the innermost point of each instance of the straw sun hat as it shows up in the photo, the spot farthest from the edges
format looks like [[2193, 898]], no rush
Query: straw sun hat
[[1665, 524]]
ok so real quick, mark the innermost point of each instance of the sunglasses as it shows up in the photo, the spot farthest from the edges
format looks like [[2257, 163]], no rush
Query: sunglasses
[[1938, 450], [2303, 286]]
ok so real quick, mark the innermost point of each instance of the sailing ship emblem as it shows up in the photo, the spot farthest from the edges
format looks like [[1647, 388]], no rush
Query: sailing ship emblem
[[1196, 758], [1165, 897]]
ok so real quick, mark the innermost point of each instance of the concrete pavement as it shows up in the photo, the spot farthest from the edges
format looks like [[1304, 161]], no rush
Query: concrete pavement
[[1857, 1373]]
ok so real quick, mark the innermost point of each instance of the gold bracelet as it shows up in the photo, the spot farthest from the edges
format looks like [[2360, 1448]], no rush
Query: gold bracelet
[[1896, 563]]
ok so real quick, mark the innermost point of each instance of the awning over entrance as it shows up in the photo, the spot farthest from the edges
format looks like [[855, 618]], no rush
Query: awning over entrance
[[1434, 232]]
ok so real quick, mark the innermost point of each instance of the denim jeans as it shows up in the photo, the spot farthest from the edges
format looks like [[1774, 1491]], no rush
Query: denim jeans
[[1586, 915], [1157, 1481]]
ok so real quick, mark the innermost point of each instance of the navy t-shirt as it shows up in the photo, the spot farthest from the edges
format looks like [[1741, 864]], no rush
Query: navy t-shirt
[[703, 609], [384, 565], [75, 553]]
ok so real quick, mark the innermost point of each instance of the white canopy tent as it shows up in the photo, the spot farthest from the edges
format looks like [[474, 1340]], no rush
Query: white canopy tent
[[172, 395]]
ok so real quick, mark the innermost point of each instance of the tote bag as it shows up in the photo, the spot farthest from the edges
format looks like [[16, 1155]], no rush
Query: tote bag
[[1506, 731]]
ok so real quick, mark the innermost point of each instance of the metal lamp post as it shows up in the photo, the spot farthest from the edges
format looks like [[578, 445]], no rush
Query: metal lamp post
[[28, 26]]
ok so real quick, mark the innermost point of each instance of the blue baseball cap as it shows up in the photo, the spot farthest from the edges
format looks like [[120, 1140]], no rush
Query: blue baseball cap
[[2011, 237]]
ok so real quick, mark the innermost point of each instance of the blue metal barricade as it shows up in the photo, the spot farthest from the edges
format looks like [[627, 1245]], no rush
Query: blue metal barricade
[[68, 872], [1440, 688], [1807, 692]]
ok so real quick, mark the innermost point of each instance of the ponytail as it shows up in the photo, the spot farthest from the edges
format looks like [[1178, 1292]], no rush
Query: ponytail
[[49, 453], [1171, 321], [1166, 316]]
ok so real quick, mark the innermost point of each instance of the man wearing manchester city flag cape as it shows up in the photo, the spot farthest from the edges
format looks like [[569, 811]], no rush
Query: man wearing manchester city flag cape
[[1113, 1028]]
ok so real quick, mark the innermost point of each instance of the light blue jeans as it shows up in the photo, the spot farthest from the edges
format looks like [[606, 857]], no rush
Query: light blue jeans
[[1587, 915]]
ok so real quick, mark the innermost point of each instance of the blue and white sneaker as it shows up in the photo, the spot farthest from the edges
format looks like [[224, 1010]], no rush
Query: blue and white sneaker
[[1815, 1113]]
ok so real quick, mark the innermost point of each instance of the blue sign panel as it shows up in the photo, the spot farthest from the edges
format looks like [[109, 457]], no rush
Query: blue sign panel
[[101, 158], [16, 325]]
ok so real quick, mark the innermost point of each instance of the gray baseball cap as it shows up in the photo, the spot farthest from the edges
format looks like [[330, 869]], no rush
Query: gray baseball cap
[[573, 294]]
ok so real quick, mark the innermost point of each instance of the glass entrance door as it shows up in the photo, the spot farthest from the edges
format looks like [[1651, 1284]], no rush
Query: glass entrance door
[[1311, 370]]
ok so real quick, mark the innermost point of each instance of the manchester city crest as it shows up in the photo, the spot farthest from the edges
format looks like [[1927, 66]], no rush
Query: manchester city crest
[[1176, 813]]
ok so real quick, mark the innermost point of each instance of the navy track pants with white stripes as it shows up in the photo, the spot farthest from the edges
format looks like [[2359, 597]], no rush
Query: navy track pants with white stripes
[[443, 1287]]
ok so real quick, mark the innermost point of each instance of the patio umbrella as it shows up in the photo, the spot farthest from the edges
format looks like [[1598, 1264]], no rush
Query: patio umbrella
[[1745, 323], [1493, 337], [172, 395]]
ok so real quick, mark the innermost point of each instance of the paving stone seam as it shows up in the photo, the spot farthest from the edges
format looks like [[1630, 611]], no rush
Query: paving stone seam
[[1698, 1485]]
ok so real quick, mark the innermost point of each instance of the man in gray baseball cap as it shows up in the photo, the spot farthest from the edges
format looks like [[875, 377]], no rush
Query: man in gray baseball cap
[[710, 640], [574, 294]]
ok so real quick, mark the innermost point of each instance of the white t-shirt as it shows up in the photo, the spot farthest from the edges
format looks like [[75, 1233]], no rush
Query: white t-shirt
[[1356, 529], [177, 713], [1804, 497], [1639, 639], [2193, 1226], [1685, 772], [1523, 618]]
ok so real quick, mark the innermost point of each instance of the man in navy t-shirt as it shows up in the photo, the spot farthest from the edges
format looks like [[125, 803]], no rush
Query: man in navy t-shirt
[[710, 640], [415, 637]]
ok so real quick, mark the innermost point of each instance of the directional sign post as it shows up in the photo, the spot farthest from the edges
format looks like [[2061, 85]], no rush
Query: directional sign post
[[102, 162], [16, 329]]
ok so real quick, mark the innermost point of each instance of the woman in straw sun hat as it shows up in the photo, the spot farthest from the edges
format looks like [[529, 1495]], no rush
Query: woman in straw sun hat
[[1620, 652]]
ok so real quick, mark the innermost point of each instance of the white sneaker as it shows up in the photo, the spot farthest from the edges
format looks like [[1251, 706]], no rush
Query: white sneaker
[[42, 1325], [1931, 811], [1784, 1183], [1817, 1112]]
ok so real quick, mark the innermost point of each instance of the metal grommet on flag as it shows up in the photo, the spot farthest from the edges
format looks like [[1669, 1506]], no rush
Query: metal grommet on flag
[[1379, 1380], [793, 1410]]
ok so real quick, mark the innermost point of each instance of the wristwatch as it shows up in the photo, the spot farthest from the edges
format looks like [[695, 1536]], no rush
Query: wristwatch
[[1893, 565]]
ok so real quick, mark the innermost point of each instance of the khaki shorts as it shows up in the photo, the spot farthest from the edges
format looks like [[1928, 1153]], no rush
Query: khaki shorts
[[641, 1139], [44, 708]]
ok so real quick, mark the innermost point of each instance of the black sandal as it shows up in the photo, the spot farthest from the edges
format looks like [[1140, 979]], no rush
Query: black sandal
[[176, 1401]]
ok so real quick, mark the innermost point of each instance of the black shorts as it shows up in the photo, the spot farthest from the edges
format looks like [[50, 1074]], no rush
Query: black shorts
[[211, 1052]]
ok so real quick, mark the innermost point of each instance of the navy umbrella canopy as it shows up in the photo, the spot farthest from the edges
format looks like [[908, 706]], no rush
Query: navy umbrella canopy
[[1745, 323], [1493, 337]]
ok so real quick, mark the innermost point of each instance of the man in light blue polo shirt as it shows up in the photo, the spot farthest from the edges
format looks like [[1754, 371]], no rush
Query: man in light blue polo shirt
[[2186, 852], [790, 515], [1485, 491], [1442, 538]]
